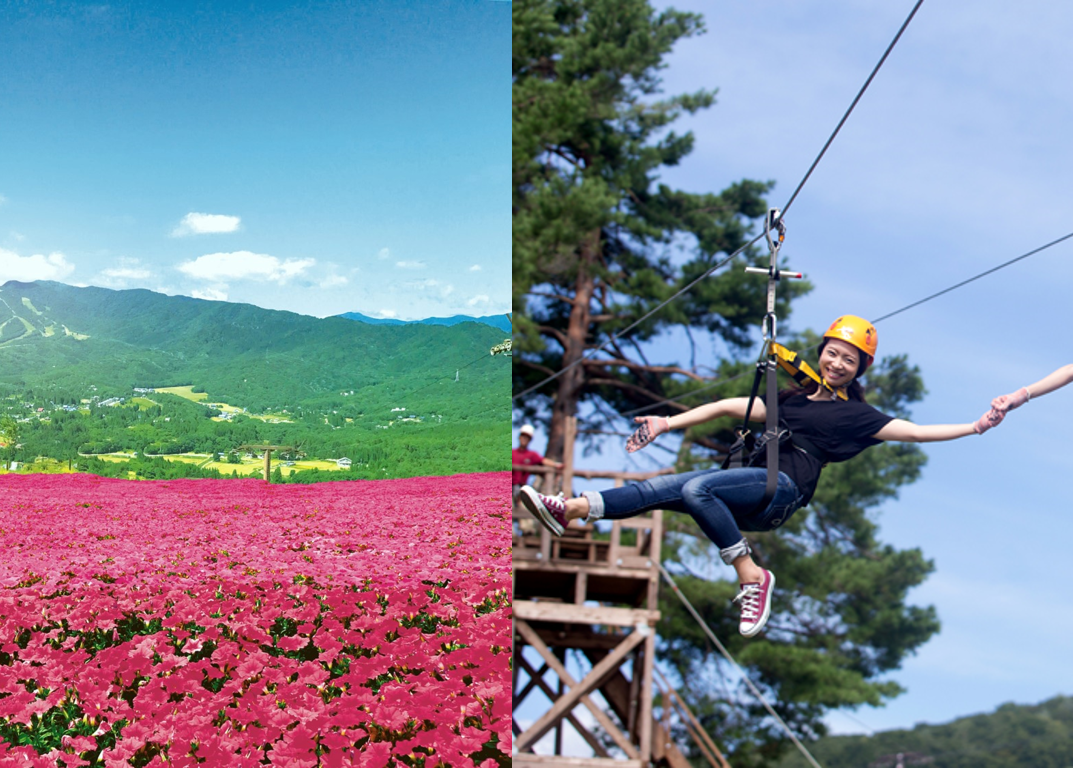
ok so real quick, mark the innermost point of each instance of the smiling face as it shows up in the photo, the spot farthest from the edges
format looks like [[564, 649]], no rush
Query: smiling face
[[839, 362]]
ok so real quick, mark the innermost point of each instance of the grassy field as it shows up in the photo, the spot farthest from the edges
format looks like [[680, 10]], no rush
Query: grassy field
[[202, 397], [187, 392], [253, 467]]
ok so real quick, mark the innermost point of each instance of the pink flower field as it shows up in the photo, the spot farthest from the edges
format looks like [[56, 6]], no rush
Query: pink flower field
[[236, 623]]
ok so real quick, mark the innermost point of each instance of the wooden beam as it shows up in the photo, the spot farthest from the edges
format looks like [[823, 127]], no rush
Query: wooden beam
[[557, 761], [570, 429], [582, 639], [578, 690], [638, 567], [590, 474], [646, 693], [568, 613], [592, 741], [520, 696]]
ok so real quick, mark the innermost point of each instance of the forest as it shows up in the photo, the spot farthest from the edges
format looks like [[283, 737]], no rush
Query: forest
[[453, 439], [1012, 736]]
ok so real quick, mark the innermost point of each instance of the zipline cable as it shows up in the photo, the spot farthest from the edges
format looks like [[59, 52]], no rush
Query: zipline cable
[[726, 655], [975, 277], [860, 93], [937, 294]]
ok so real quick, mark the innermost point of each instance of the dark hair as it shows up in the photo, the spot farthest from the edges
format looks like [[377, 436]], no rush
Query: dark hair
[[854, 391]]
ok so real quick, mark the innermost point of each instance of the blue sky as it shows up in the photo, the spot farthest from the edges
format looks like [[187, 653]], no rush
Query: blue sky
[[315, 157], [954, 162]]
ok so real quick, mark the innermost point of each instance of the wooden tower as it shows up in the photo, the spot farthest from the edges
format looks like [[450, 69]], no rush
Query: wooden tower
[[593, 599]]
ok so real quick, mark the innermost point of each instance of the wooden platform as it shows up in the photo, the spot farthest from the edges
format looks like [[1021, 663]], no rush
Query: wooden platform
[[595, 594]]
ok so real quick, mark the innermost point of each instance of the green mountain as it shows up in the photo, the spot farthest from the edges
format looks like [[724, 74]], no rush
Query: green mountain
[[56, 337], [502, 322], [1013, 736]]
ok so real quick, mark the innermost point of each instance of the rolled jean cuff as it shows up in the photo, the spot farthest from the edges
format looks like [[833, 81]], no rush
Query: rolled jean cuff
[[733, 552], [596, 506]]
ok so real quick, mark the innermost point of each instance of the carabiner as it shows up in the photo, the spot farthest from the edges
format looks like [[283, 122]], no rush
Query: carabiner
[[773, 220]]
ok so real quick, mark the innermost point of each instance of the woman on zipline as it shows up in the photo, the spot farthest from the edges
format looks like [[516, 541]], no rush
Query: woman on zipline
[[827, 422]]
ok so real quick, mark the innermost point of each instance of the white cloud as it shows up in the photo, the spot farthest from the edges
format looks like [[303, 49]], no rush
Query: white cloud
[[2, 199], [431, 284], [37, 267], [385, 253], [244, 265], [388, 314], [206, 224], [479, 299], [210, 294], [18, 237], [475, 268], [410, 264], [125, 271], [332, 281]]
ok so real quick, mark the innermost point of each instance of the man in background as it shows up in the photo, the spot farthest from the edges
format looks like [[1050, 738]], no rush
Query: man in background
[[523, 456]]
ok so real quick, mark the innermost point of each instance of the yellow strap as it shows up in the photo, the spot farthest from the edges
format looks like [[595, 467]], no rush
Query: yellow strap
[[801, 371]]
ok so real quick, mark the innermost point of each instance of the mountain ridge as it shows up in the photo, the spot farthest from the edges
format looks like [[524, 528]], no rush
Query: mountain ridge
[[502, 322], [54, 335]]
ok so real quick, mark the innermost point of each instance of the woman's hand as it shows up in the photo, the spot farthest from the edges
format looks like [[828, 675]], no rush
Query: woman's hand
[[1004, 403], [651, 428], [990, 419]]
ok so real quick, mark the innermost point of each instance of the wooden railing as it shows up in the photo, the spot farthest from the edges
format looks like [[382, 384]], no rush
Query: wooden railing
[[579, 545]]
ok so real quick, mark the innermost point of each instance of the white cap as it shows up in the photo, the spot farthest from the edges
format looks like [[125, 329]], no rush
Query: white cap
[[527, 429]]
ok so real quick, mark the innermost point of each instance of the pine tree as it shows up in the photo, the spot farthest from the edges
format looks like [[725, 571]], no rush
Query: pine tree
[[596, 237]]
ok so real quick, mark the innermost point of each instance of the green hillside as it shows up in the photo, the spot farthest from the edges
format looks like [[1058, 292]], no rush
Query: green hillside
[[80, 370], [1014, 736], [59, 336]]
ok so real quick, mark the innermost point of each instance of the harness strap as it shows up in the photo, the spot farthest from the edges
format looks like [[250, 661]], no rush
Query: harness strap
[[810, 448], [771, 433], [743, 445], [801, 371]]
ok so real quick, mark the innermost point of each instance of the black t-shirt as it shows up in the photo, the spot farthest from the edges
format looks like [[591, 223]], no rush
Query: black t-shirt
[[839, 428]]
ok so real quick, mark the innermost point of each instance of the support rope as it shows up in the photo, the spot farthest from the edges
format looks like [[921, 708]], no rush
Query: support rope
[[860, 93], [635, 323], [726, 655]]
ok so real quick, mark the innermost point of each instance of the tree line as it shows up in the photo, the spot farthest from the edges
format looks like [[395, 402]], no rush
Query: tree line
[[439, 443], [1012, 736]]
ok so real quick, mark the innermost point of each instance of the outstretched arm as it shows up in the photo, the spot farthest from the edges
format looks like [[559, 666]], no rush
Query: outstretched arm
[[902, 431], [1048, 383], [732, 406], [654, 426]]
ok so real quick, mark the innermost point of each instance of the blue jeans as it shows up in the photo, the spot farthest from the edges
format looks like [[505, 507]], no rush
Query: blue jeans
[[721, 501]]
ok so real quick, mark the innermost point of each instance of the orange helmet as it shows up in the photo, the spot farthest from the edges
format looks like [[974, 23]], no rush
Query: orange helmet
[[858, 332]]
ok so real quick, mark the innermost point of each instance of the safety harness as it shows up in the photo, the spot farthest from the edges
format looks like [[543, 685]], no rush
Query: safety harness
[[747, 448]]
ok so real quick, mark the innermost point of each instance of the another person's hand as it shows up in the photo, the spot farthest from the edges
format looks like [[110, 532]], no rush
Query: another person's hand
[[1013, 400], [990, 419], [651, 428]]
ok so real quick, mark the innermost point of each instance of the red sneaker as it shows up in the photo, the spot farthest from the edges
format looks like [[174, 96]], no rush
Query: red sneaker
[[755, 602], [549, 510]]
